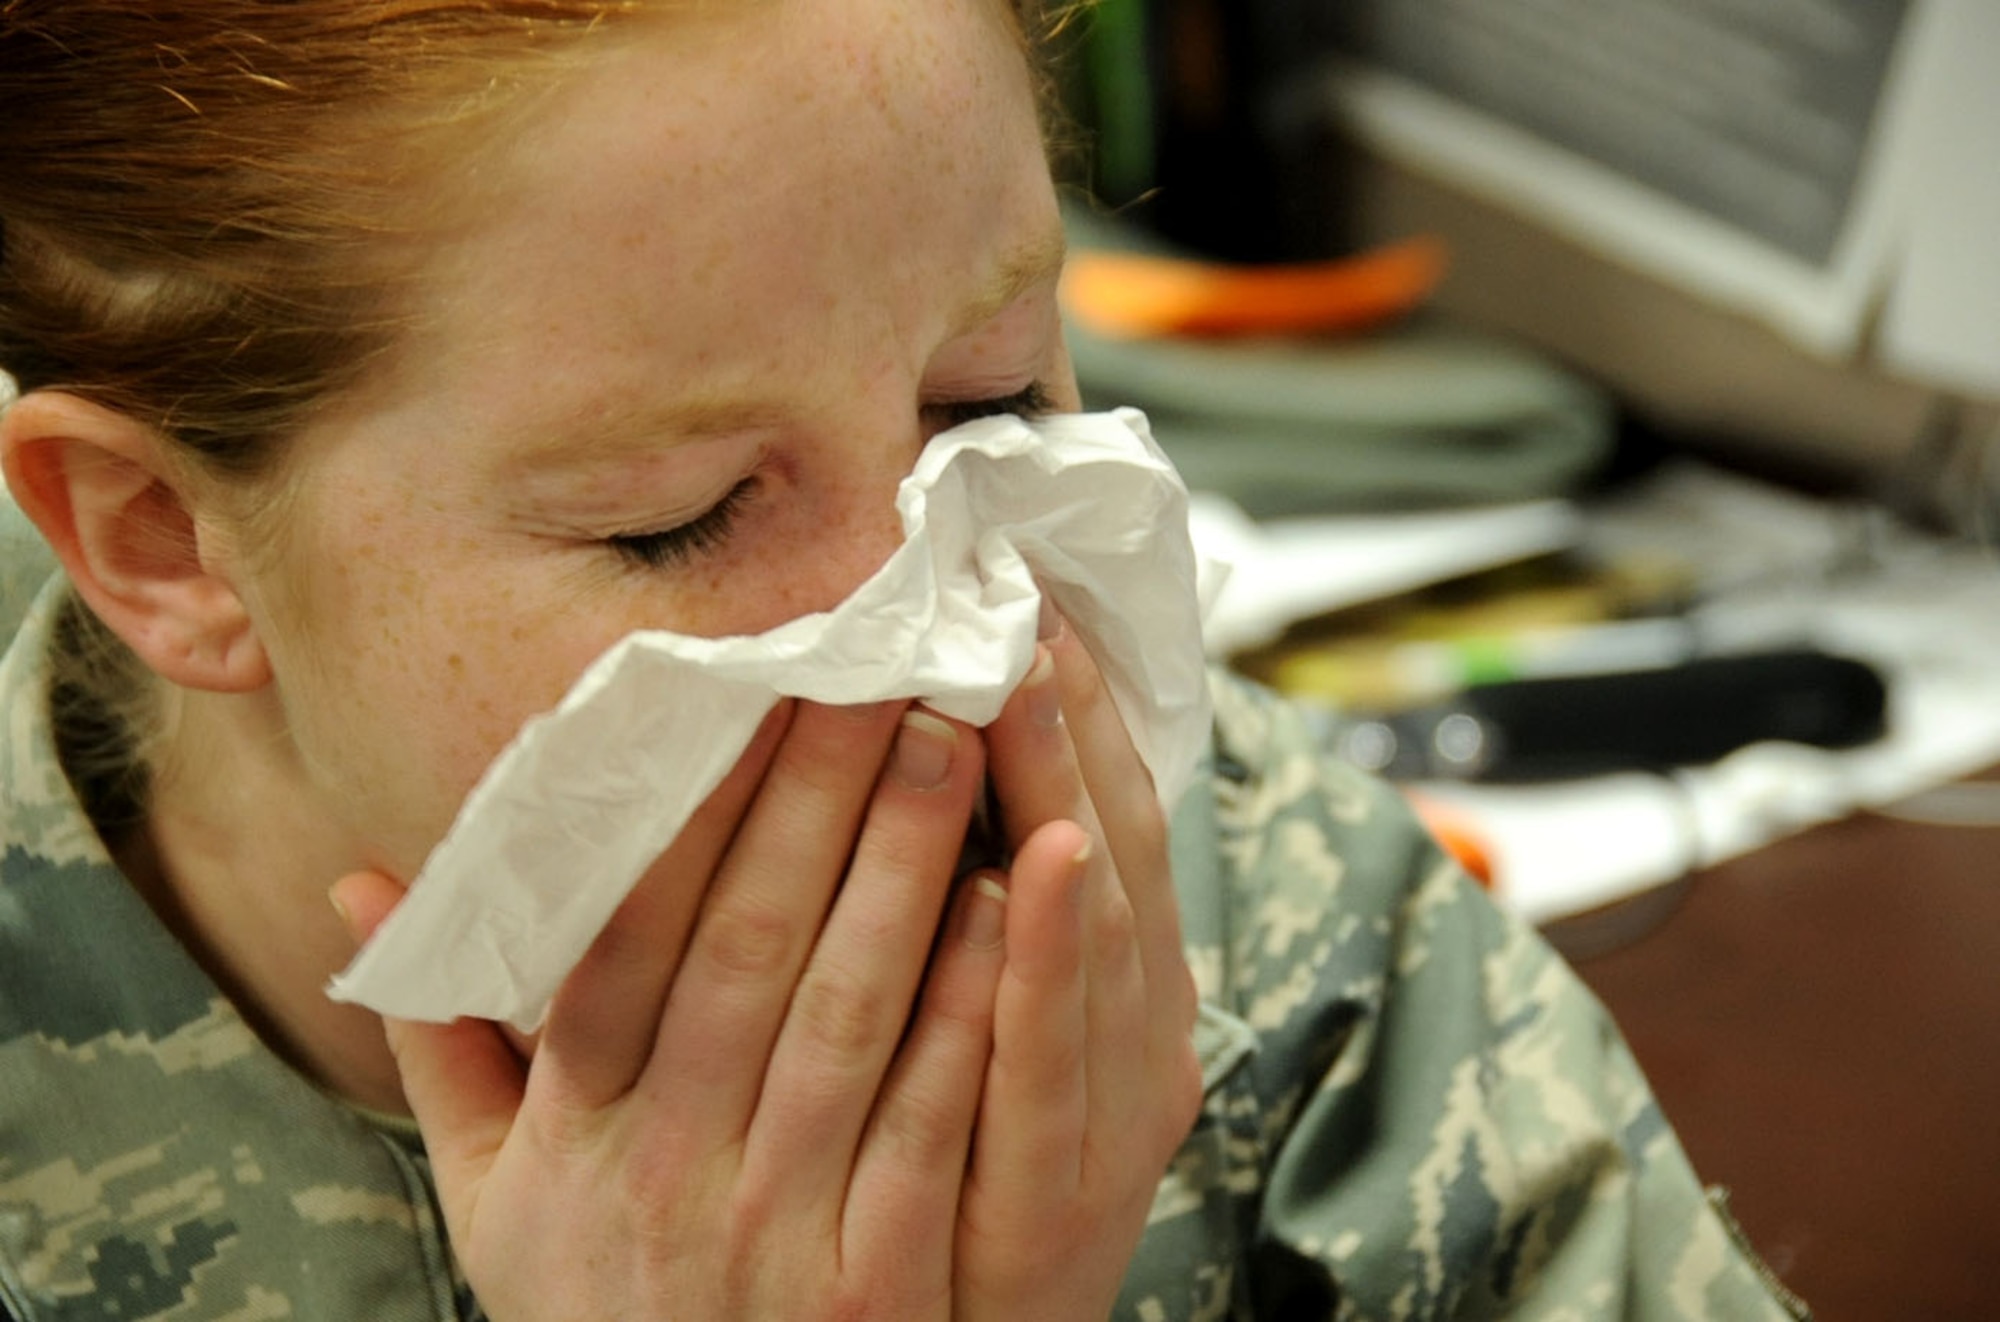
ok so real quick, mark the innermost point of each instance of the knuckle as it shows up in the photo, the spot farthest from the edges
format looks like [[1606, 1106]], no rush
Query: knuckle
[[1183, 1100], [664, 1167], [1183, 997], [748, 941], [630, 939], [827, 751], [1086, 702], [1078, 668], [653, 1191], [1116, 929], [749, 1215], [857, 1303], [921, 1129], [565, 1125], [819, 776], [1063, 1060], [958, 1015], [846, 1018], [1052, 1067], [1148, 833]]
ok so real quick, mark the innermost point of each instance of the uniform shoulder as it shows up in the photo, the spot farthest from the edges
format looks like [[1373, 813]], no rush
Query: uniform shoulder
[[1291, 813], [25, 565], [1316, 865]]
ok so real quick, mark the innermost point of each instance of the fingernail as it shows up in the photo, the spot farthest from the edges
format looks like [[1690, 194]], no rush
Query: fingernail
[[340, 907], [1044, 703], [862, 712], [922, 758], [1050, 624], [1077, 863], [985, 920]]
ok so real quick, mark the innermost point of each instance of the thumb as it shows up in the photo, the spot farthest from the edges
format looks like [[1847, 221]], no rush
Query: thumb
[[463, 1080], [364, 900]]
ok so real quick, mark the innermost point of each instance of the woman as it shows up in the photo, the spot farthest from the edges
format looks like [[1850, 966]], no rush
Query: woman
[[382, 364]]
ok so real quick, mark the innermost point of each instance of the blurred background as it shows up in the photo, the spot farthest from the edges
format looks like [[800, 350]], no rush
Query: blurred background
[[1593, 403], [1767, 226]]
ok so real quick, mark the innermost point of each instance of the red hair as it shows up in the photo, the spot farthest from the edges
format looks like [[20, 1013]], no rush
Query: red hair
[[210, 212], [199, 201]]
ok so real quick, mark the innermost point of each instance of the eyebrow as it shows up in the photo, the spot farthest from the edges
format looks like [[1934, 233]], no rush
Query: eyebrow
[[1025, 266], [1038, 260], [617, 433]]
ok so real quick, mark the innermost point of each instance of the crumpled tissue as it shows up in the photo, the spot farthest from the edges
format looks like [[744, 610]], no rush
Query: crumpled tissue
[[588, 794]]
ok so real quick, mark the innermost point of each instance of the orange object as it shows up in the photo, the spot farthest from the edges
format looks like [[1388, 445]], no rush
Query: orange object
[[1134, 294], [1456, 835]]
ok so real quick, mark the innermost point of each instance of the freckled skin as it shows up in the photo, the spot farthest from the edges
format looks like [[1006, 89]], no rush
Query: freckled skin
[[664, 229], [667, 230]]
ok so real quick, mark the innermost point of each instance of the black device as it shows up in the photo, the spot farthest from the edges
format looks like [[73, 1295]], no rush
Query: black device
[[1685, 714]]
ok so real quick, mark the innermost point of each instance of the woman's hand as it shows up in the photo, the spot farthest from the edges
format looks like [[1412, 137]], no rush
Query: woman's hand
[[755, 1097], [758, 1094], [1094, 1081]]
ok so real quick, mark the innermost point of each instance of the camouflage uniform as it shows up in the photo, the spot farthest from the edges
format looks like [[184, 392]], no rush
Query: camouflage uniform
[[1413, 1109]]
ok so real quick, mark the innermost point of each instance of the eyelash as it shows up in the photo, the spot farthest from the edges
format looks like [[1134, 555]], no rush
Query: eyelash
[[706, 532], [674, 546], [1032, 401]]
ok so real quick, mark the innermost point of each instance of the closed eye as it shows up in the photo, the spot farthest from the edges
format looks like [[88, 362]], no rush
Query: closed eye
[[672, 547], [701, 535], [1031, 402]]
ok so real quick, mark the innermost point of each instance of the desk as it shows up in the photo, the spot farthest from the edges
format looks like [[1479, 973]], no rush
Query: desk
[[1821, 1022]]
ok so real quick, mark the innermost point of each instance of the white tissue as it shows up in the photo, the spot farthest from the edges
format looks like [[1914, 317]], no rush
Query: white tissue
[[588, 794]]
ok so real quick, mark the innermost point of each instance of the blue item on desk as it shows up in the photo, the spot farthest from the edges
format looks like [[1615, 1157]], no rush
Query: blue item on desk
[[1564, 727]]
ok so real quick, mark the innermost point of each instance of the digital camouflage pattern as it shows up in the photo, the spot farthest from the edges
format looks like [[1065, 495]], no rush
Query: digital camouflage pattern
[[1423, 1114], [156, 1161], [1413, 1109]]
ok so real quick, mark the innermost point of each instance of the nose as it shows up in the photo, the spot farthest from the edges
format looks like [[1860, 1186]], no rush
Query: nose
[[848, 529], [859, 542]]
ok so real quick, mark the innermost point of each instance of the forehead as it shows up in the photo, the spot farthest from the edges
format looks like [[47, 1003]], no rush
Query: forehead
[[742, 192]]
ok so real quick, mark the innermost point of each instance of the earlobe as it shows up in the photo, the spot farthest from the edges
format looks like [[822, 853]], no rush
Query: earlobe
[[99, 486]]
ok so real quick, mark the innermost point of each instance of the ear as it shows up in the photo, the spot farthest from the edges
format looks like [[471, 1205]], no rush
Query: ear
[[100, 488]]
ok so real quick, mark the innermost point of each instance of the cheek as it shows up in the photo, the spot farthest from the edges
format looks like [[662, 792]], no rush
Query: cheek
[[399, 687], [484, 666], [412, 657], [395, 737]]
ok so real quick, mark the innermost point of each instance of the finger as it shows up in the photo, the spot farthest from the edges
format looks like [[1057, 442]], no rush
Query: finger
[[462, 1080], [911, 1166], [854, 1000], [364, 901], [760, 916], [1118, 1021], [605, 1020], [1047, 767], [1148, 1065], [1032, 1119], [1037, 777], [1121, 789], [1134, 828]]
